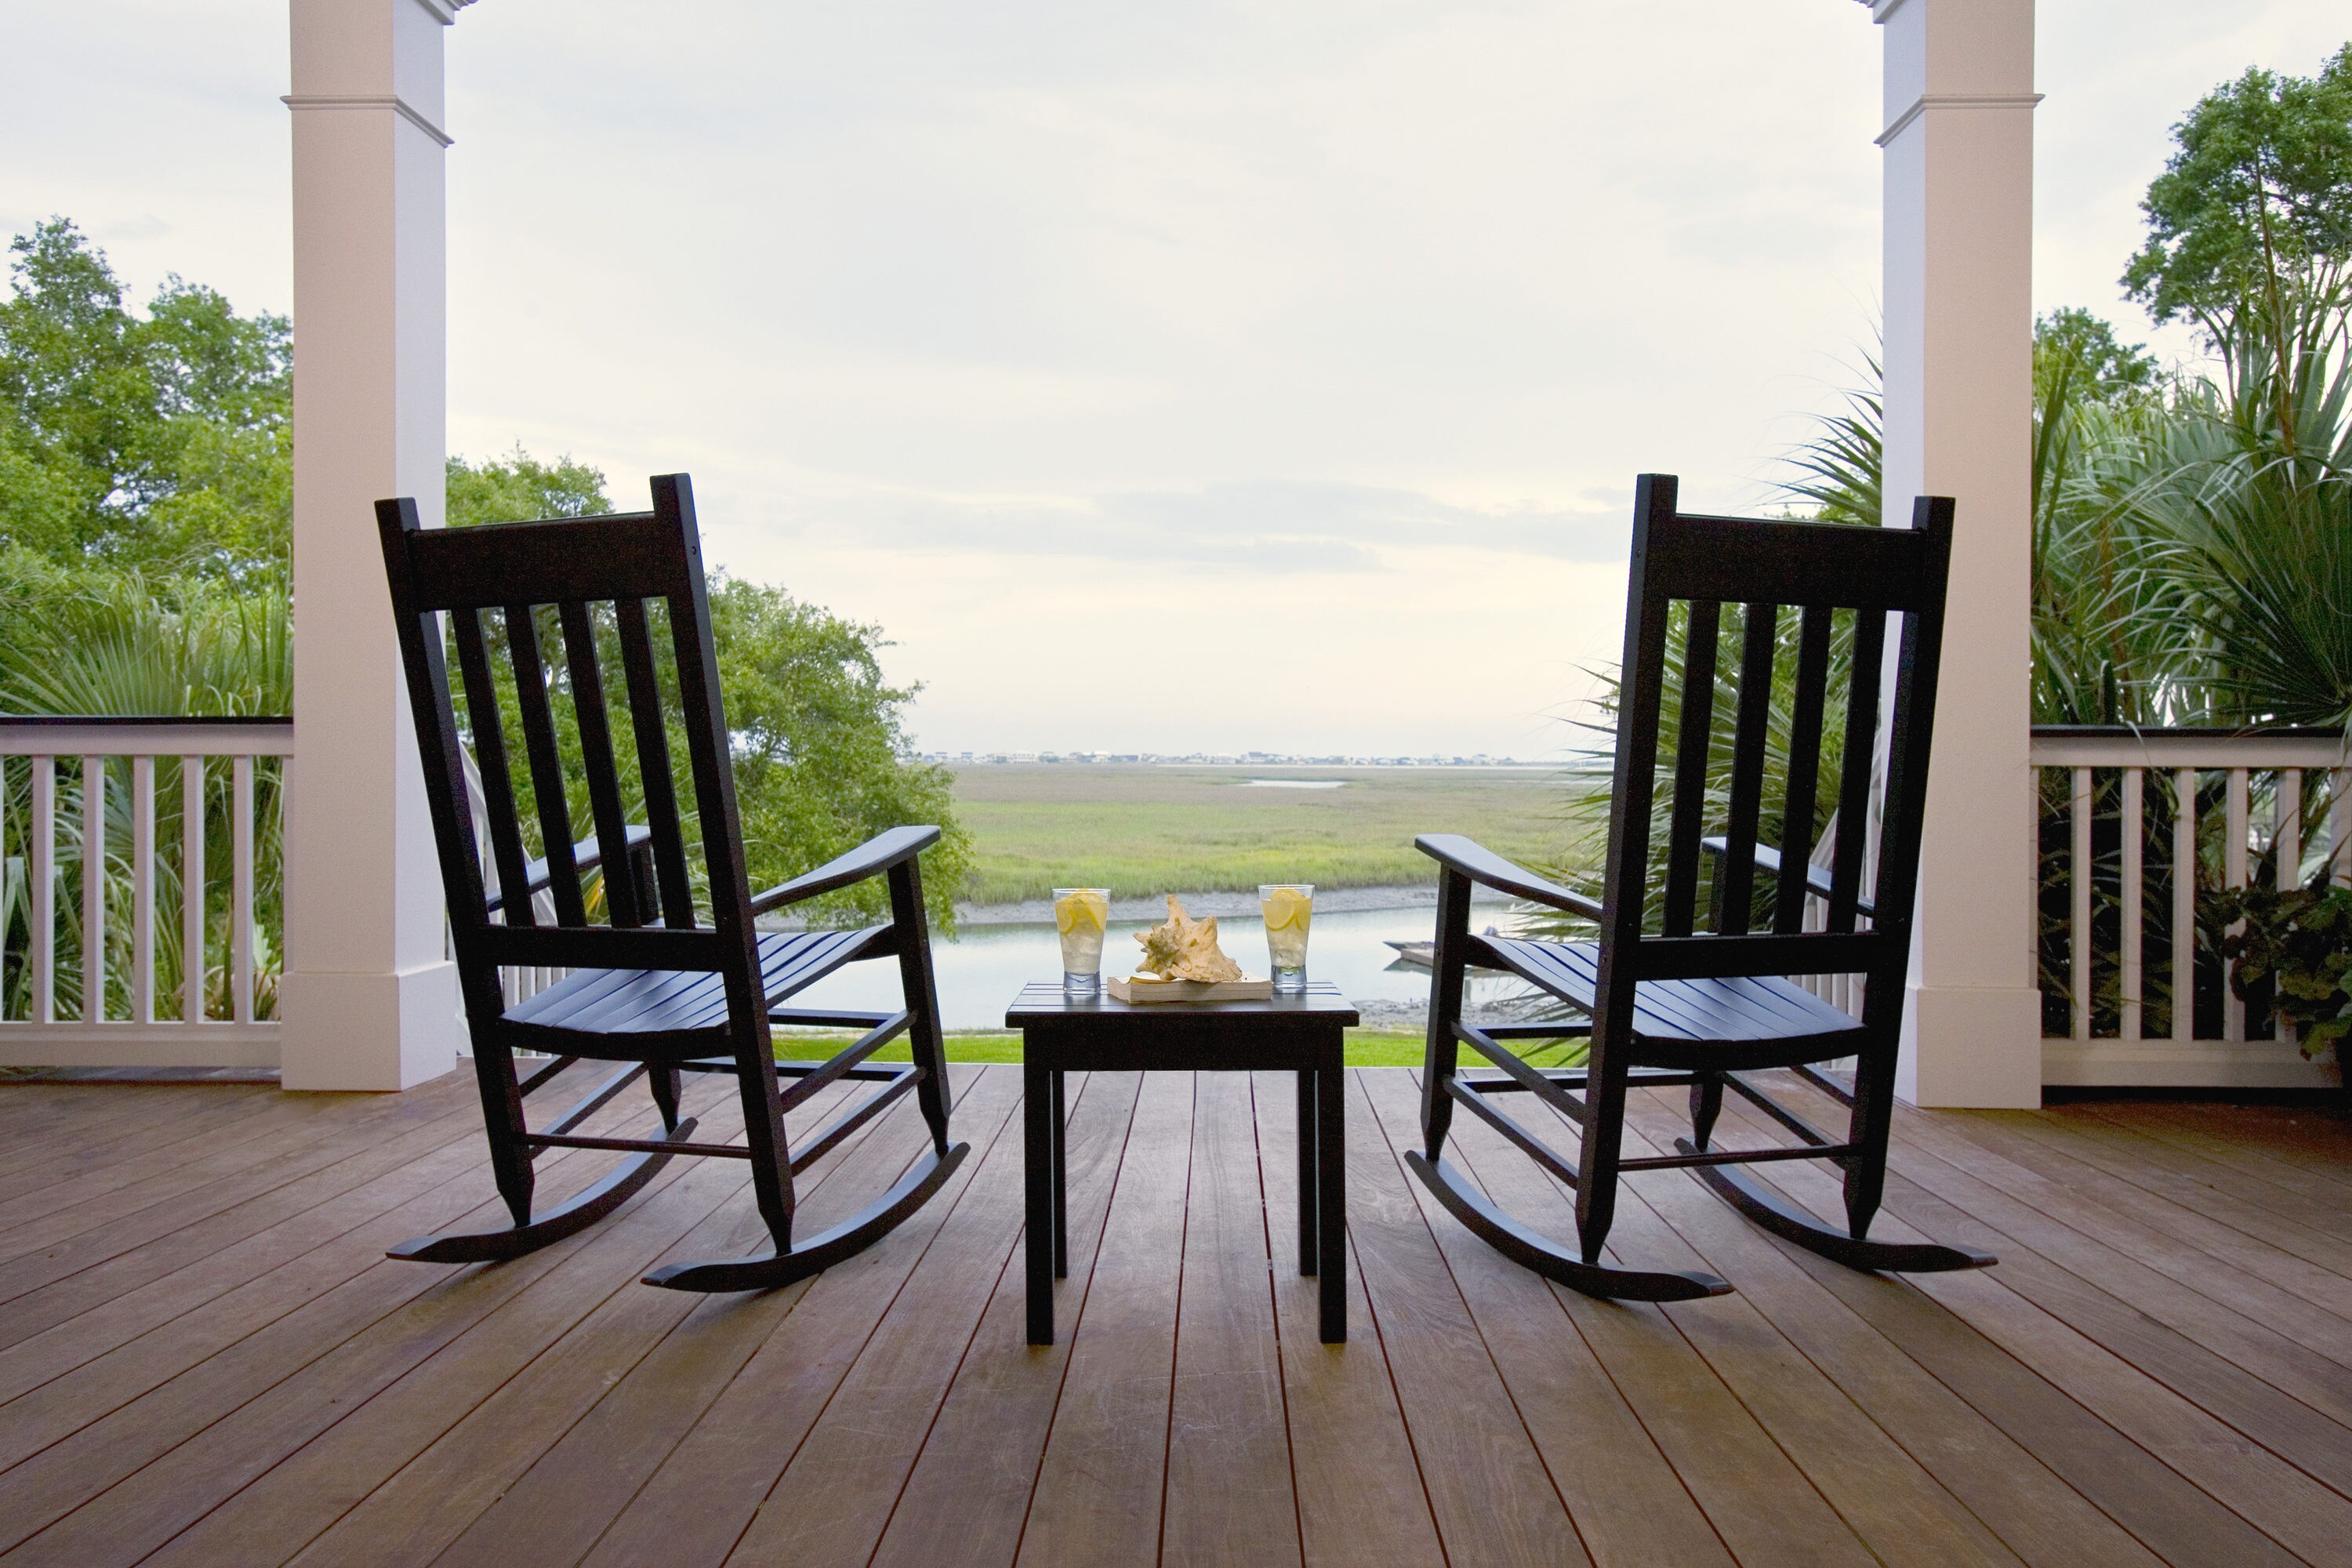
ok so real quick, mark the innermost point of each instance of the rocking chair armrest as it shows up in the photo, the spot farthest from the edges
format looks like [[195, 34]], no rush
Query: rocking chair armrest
[[1768, 860], [1482, 865], [876, 854], [585, 856]]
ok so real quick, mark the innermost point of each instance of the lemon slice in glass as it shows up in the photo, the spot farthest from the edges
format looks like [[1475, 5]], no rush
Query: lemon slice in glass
[[1286, 908], [1082, 909]]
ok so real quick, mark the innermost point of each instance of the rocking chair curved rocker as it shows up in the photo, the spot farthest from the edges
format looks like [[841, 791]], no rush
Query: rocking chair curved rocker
[[1665, 1003], [651, 984]]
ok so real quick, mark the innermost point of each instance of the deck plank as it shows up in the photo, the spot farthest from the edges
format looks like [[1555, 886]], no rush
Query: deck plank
[[95, 1309], [1760, 1500], [2033, 1513], [832, 1501], [265, 1397], [2265, 1490], [1231, 1496], [431, 1492], [1361, 1499], [1494, 1500], [1099, 1482], [2142, 1179], [968, 1496], [2154, 1372]]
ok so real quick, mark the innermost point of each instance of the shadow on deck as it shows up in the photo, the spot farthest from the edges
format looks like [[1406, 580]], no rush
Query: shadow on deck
[[206, 1358]]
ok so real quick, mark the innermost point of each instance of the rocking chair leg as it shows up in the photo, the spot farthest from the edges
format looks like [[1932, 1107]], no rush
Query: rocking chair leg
[[1597, 1159], [664, 1082], [924, 1041], [1444, 1011], [763, 1131], [502, 1121], [1873, 1116], [1705, 1105]]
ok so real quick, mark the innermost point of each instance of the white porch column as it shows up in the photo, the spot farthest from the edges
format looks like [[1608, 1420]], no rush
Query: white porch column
[[1959, 399], [368, 1000]]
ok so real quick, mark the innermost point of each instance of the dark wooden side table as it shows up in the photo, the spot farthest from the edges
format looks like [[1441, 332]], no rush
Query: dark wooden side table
[[1301, 1033]]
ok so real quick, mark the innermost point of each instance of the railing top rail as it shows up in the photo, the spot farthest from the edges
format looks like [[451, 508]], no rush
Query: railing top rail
[[109, 735], [2121, 746], [2186, 732]]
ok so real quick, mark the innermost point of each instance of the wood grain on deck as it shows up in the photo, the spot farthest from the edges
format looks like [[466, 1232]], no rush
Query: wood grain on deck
[[206, 1358]]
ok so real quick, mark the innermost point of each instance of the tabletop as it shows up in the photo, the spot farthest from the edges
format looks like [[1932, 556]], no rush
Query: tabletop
[[1043, 1001]]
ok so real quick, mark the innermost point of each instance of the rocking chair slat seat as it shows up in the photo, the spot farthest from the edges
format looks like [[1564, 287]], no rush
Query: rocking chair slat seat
[[676, 1001], [1734, 1009]]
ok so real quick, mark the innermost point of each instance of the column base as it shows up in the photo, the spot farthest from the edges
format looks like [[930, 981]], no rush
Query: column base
[[1971, 1047], [369, 1031]]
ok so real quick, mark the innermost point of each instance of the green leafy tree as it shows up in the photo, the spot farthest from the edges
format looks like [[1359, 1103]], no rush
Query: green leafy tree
[[518, 486], [158, 443], [2251, 223]]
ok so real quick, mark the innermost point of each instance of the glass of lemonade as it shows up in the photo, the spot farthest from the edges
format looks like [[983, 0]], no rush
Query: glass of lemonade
[[1081, 914], [1288, 907]]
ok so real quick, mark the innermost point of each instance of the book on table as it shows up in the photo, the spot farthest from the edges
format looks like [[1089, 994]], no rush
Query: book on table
[[1144, 988]]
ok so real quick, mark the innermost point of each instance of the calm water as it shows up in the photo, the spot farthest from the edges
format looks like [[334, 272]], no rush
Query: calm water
[[980, 973]]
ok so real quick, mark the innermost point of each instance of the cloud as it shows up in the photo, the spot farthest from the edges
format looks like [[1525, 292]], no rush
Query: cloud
[[1276, 525]]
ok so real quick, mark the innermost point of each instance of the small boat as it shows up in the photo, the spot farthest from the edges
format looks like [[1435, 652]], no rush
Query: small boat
[[1423, 955]]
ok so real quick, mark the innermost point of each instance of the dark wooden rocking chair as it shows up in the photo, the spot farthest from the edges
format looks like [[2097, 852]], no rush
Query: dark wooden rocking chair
[[668, 997], [1667, 1003]]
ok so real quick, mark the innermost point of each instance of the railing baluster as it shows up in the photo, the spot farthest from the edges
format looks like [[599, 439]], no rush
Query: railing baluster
[[2339, 829], [2184, 905], [45, 889], [2235, 814], [191, 889], [142, 897], [2078, 941], [2131, 891], [240, 920], [93, 889], [2286, 847]]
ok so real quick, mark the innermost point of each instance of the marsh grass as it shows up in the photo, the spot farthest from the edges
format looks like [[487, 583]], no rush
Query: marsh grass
[[1365, 1048], [1140, 829]]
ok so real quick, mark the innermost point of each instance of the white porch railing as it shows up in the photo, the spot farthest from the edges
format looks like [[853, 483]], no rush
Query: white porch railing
[[159, 969], [2122, 814]]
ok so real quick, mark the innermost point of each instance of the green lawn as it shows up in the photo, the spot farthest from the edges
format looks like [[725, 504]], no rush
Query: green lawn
[[1365, 1048], [1140, 829]]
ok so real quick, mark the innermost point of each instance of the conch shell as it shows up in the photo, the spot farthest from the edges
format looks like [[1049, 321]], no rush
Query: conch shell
[[1185, 949]]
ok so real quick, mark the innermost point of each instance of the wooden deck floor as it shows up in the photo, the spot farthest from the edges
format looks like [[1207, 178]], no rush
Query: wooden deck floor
[[206, 1358]]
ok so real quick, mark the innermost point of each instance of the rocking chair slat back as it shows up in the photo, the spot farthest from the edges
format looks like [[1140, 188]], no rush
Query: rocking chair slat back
[[1805, 721], [1691, 746], [508, 854], [547, 782], [1737, 878], [677, 889], [575, 583], [596, 755], [1853, 781], [1835, 577]]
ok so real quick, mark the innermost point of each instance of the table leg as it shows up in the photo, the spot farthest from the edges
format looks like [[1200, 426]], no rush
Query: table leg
[[1061, 1179], [1308, 1170], [1331, 1202], [1038, 1168]]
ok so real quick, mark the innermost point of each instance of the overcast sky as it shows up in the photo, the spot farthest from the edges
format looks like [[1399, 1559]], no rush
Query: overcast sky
[[1160, 376]]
